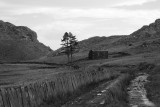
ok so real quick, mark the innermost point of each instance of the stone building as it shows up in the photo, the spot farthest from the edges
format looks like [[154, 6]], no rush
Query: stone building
[[98, 55]]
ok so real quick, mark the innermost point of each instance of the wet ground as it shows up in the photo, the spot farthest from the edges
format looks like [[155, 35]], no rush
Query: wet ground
[[137, 92]]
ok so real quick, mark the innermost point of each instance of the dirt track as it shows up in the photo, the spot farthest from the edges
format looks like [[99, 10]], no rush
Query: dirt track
[[137, 92]]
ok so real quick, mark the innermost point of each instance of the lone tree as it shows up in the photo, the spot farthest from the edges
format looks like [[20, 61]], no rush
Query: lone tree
[[69, 43]]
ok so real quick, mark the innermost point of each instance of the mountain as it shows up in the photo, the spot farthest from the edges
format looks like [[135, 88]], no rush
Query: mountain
[[148, 31], [145, 34], [19, 43], [145, 39]]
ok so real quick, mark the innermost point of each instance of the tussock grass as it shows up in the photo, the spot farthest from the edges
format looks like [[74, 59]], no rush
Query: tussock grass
[[117, 94], [153, 86]]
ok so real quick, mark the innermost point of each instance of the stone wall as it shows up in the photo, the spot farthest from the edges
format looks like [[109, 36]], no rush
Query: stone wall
[[34, 94]]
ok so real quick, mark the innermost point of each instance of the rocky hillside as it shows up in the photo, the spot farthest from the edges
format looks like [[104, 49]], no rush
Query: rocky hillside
[[98, 43], [146, 39], [148, 31], [19, 43], [144, 34]]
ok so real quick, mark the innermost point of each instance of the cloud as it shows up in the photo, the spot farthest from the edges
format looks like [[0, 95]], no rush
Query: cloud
[[57, 28], [54, 31], [96, 13], [3, 4], [61, 25], [79, 19], [133, 2], [50, 22]]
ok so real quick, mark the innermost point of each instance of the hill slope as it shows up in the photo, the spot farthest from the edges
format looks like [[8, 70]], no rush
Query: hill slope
[[98, 43], [144, 34], [19, 43]]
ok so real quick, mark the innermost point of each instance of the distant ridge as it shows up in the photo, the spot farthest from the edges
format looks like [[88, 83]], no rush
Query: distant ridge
[[147, 32], [19, 43]]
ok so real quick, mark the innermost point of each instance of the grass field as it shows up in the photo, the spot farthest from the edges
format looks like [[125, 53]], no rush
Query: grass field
[[18, 73], [45, 69], [12, 74]]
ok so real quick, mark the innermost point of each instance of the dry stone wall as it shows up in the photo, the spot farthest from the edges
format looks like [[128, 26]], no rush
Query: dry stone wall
[[34, 94]]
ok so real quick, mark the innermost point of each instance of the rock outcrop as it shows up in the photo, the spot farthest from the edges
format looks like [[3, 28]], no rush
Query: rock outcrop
[[9, 31], [148, 31], [19, 43]]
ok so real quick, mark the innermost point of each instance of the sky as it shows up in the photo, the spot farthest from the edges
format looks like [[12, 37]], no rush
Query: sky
[[84, 18]]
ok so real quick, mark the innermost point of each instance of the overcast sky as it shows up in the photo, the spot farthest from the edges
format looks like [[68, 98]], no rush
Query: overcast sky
[[84, 18]]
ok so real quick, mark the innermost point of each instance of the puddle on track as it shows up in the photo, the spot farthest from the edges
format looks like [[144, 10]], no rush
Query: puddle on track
[[137, 92]]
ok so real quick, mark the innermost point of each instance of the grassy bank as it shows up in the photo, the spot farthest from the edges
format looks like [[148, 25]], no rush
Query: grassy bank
[[61, 99], [98, 75], [153, 86], [117, 94], [106, 94]]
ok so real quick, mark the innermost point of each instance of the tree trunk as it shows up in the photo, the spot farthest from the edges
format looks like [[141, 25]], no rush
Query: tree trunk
[[71, 53], [71, 56], [68, 57]]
